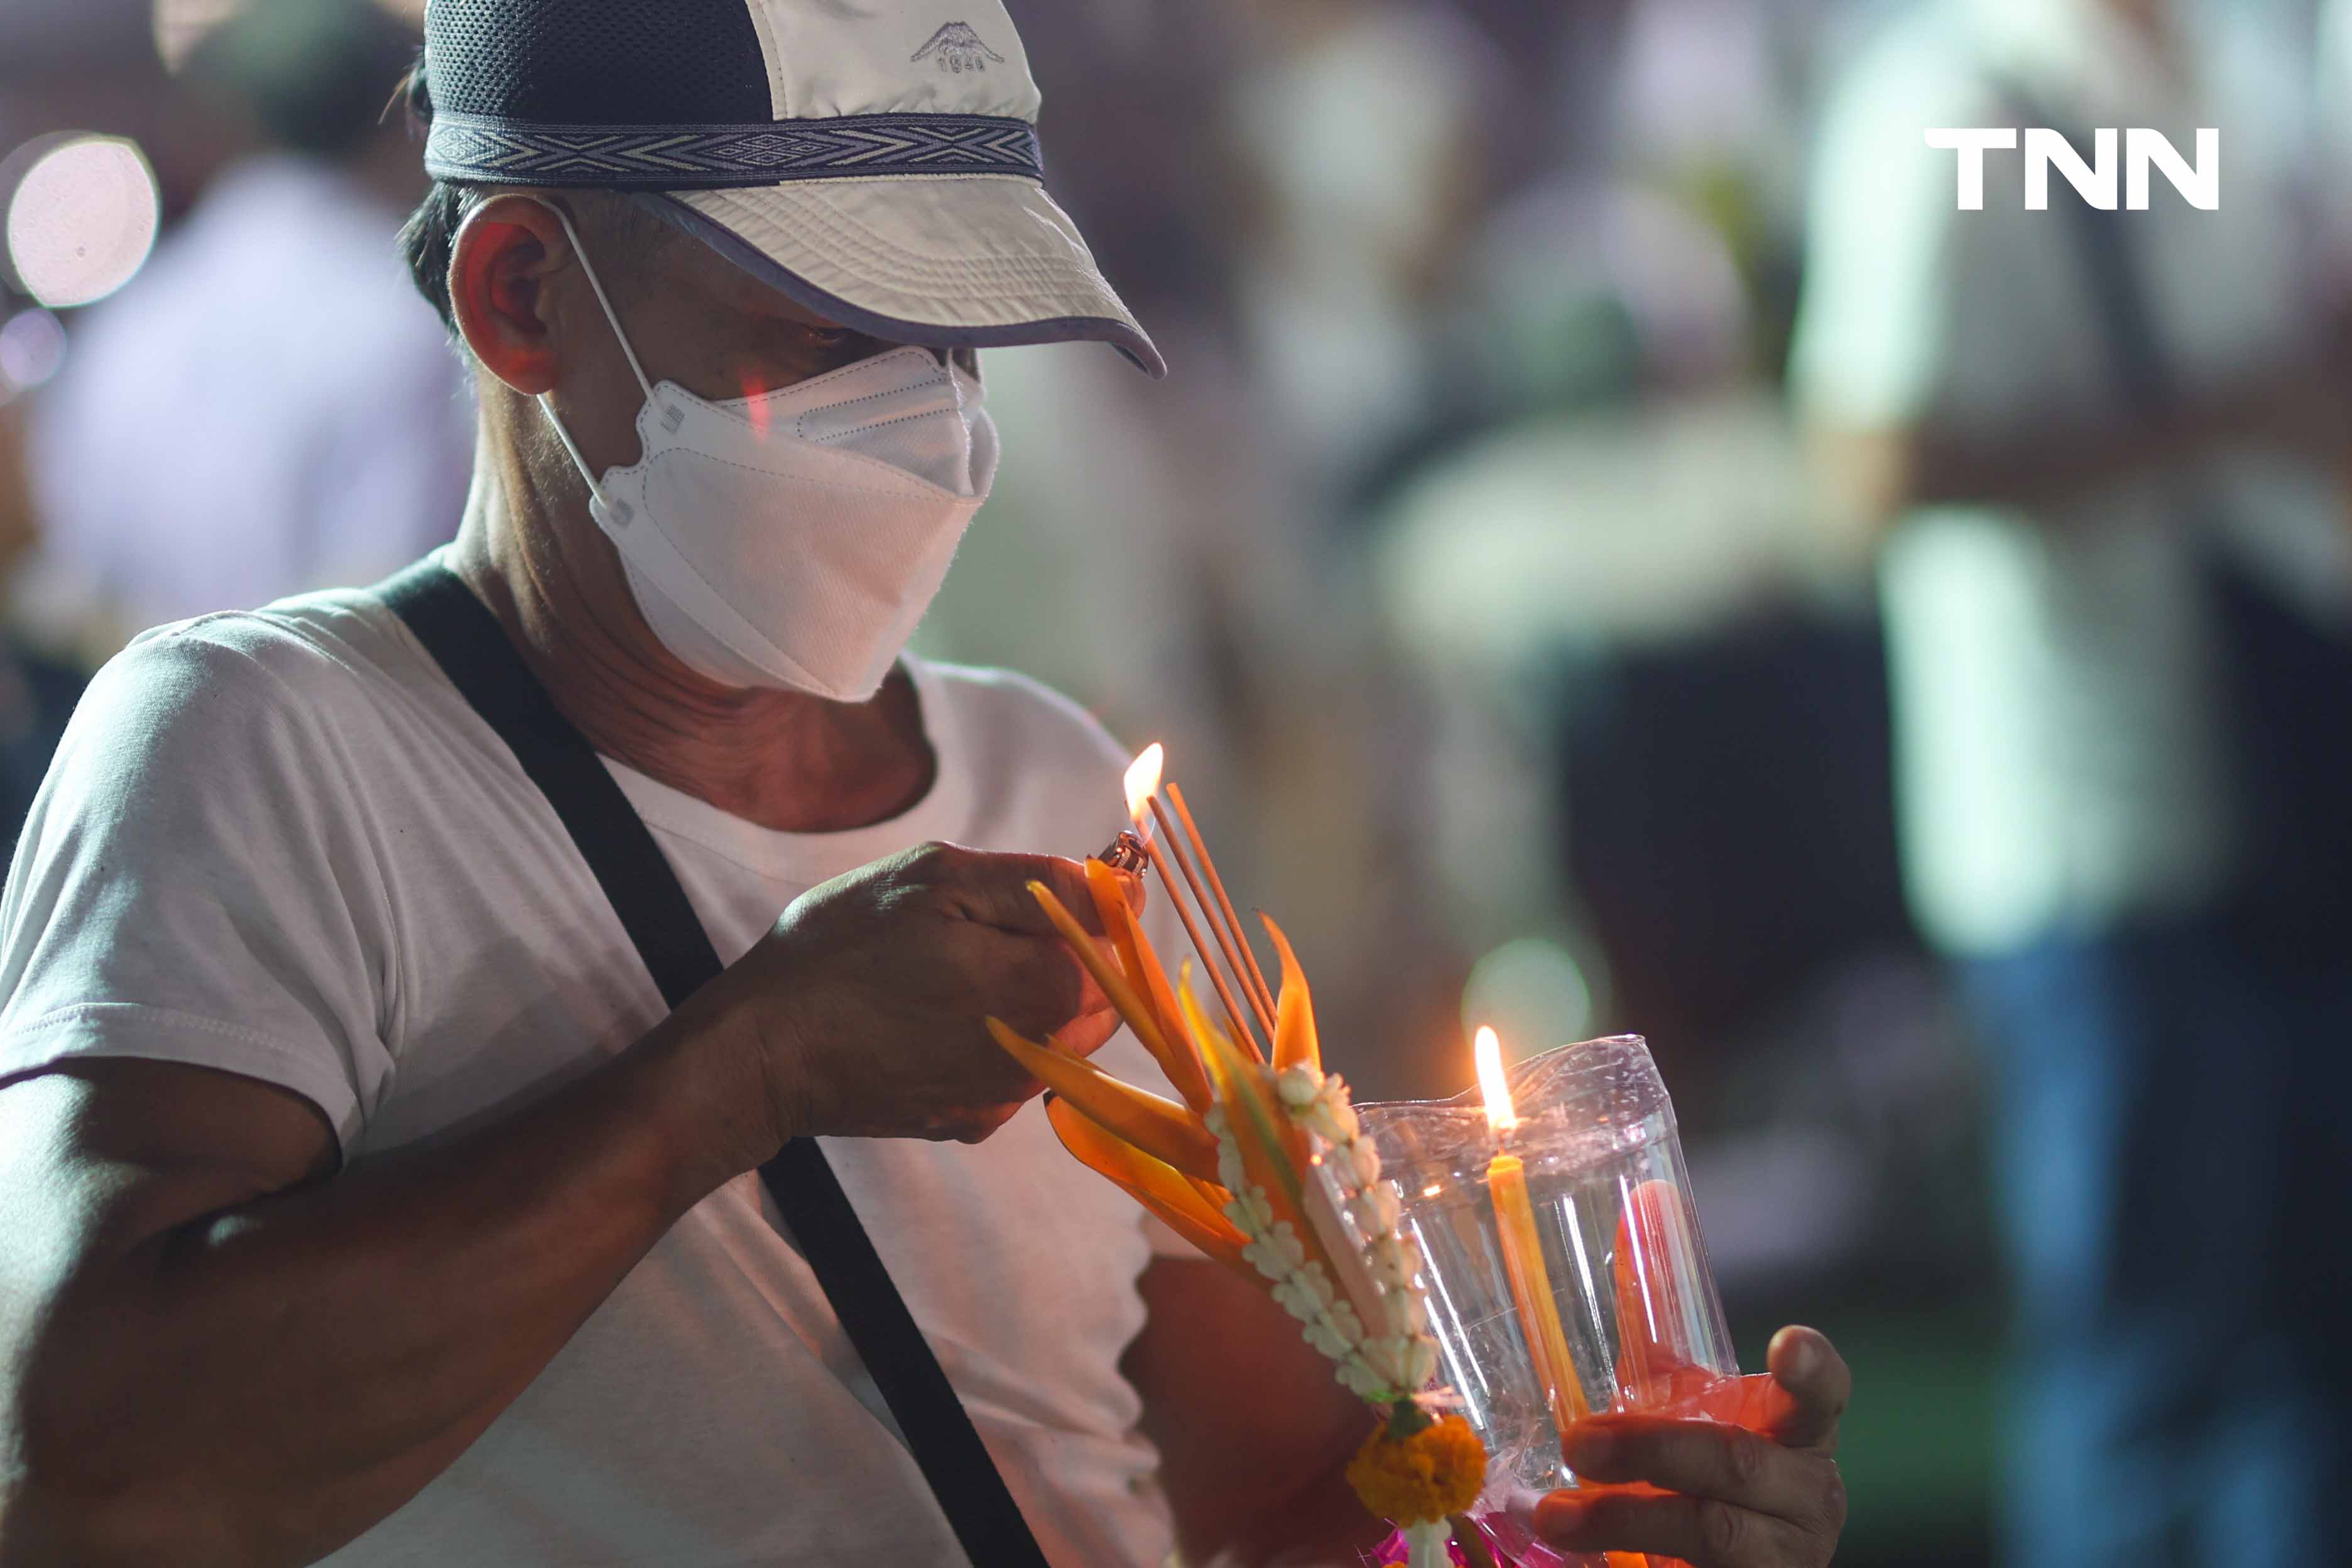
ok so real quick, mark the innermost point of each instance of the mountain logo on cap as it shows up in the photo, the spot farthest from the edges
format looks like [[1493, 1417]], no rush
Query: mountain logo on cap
[[958, 48]]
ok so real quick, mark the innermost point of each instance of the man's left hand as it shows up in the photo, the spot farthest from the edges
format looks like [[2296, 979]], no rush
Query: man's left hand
[[1761, 1494]]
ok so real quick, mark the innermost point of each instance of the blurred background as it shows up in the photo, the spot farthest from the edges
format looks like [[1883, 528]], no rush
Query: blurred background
[[1616, 551]]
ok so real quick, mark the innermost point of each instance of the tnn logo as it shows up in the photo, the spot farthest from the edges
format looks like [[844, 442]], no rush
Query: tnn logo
[[2045, 149]]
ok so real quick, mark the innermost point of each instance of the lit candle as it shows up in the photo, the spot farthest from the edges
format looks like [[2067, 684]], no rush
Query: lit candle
[[1523, 1261]]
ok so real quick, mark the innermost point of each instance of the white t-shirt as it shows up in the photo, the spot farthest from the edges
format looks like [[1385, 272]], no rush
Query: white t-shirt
[[279, 842], [2061, 758]]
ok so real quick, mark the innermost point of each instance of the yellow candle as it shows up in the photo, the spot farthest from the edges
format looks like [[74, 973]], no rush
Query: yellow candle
[[1523, 1262], [1515, 1223]]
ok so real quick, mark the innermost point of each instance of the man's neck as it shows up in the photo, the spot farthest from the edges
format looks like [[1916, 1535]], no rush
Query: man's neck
[[782, 759]]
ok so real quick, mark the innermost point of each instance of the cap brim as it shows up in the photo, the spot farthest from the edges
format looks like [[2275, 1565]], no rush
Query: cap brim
[[950, 261]]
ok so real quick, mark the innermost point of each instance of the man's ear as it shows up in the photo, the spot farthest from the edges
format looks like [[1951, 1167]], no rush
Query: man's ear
[[506, 250]]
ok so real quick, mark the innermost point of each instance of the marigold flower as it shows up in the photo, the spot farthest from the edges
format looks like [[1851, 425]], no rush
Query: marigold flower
[[1433, 1475]]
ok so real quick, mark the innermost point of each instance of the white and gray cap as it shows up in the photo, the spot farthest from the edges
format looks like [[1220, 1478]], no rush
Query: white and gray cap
[[875, 159]]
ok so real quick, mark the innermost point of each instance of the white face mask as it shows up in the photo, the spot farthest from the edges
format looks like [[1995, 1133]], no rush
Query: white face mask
[[794, 540]]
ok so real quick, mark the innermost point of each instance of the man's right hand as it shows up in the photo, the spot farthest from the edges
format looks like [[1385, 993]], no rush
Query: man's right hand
[[861, 1012]]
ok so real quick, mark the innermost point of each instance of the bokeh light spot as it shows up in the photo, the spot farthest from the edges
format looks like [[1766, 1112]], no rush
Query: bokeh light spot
[[1534, 991], [32, 347], [83, 220]]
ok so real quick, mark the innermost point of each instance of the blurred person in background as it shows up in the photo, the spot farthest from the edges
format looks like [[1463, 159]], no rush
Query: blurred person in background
[[69, 69], [1353, 221], [37, 691], [1360, 217], [2079, 434], [267, 407]]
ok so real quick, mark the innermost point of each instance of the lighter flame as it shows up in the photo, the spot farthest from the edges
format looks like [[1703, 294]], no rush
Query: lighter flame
[[1143, 783], [1491, 1082]]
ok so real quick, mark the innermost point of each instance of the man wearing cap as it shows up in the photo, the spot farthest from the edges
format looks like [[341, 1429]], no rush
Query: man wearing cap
[[391, 1170]]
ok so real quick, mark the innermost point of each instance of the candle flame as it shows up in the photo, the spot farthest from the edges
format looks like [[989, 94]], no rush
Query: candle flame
[[1488, 1051], [1142, 784]]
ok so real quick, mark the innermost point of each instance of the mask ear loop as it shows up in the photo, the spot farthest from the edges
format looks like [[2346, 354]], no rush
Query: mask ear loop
[[612, 320]]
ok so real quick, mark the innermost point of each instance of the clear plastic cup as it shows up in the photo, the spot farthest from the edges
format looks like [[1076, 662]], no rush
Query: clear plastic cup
[[1622, 1260]]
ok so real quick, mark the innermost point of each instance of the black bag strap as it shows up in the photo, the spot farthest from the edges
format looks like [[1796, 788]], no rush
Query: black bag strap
[[472, 648]]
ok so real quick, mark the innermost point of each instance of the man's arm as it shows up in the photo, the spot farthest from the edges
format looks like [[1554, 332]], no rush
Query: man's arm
[[212, 1353], [1872, 476], [228, 1357], [1253, 1430]]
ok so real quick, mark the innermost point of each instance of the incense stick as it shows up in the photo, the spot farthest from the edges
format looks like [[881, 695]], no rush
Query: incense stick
[[1233, 1015], [1208, 951], [1250, 974], [1265, 1014], [1245, 1038]]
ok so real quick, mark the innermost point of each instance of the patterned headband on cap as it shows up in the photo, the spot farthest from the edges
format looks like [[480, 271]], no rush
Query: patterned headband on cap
[[478, 148]]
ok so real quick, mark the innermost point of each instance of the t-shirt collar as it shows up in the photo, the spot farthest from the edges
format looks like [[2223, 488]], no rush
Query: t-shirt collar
[[812, 858]]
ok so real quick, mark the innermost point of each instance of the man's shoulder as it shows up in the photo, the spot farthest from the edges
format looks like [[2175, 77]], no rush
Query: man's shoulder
[[227, 692], [313, 644]]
